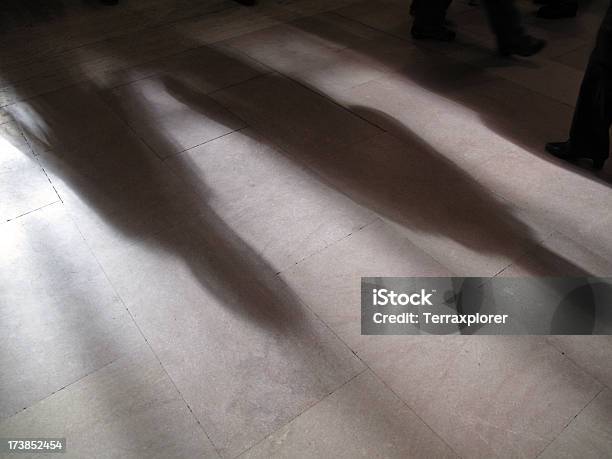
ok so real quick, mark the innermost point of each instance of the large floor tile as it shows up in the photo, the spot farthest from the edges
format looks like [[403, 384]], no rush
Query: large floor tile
[[171, 116], [65, 119], [334, 294], [492, 397], [577, 58], [329, 53], [421, 104], [50, 283], [206, 68], [308, 35], [241, 348], [99, 61], [430, 197], [559, 256], [497, 103], [563, 196], [594, 233], [37, 32], [223, 24], [546, 77], [387, 16], [588, 352], [24, 187], [588, 436], [253, 187], [93, 63], [128, 409], [292, 116], [361, 419], [311, 50], [117, 191]]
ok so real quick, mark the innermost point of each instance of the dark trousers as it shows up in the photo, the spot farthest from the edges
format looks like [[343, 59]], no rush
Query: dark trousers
[[590, 132], [505, 20], [504, 17]]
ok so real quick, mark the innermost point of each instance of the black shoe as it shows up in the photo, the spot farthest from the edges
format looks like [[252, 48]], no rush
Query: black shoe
[[440, 33], [558, 10], [109, 2], [563, 150], [524, 46], [246, 2]]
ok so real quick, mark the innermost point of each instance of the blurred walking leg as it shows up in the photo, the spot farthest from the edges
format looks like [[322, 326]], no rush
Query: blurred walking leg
[[506, 22]]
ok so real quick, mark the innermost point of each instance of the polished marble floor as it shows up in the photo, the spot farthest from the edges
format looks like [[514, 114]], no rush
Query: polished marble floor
[[190, 191]]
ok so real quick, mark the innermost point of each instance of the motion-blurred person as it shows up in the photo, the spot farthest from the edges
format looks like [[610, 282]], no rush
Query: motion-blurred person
[[504, 17], [590, 131]]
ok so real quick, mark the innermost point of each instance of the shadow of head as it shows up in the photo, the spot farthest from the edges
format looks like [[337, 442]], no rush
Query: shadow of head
[[584, 311]]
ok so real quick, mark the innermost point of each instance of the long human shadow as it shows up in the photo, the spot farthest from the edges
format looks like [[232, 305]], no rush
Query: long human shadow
[[510, 116], [45, 125], [405, 180], [106, 169], [113, 171], [106, 173], [408, 182]]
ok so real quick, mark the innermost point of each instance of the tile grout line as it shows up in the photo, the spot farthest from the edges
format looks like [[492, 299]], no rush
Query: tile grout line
[[412, 410], [584, 370], [376, 218], [144, 337], [12, 219], [216, 449], [367, 367], [161, 365], [571, 421], [305, 410], [66, 386], [140, 331]]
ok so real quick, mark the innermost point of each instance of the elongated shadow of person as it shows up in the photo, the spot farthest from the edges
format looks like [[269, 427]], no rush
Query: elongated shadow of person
[[402, 178], [132, 194]]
